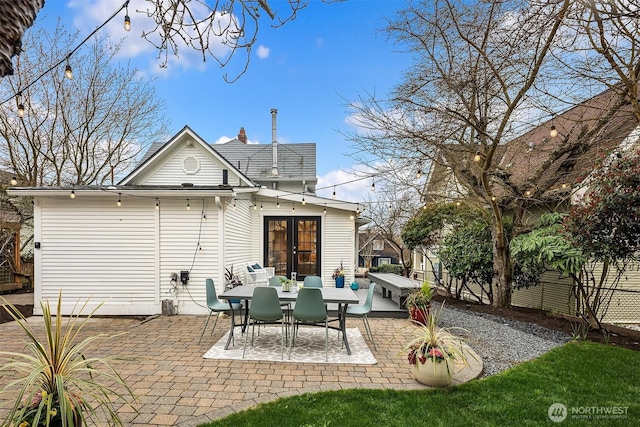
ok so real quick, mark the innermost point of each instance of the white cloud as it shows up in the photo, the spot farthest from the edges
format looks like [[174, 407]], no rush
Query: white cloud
[[349, 187], [263, 52]]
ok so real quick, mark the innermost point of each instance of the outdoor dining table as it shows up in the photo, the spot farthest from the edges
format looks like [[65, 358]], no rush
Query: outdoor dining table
[[341, 296]]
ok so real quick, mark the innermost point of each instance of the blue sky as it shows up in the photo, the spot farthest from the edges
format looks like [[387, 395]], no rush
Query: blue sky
[[306, 69]]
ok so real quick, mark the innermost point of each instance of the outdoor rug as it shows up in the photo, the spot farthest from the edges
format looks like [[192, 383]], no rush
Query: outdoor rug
[[309, 347]]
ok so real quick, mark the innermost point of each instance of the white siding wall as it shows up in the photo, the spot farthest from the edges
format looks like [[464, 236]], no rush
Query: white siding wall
[[173, 171], [91, 248], [180, 231], [338, 245], [240, 238]]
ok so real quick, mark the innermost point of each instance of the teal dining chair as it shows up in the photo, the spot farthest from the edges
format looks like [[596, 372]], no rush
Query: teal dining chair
[[275, 281], [362, 311], [313, 282], [265, 308], [310, 309], [215, 306]]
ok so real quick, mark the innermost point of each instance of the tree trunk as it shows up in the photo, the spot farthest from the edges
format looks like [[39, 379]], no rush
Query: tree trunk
[[503, 271]]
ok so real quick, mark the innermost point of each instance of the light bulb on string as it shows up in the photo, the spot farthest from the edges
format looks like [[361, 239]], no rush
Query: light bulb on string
[[277, 202], [68, 73], [261, 206], [119, 199], [157, 203], [14, 181], [304, 202], [324, 211], [477, 157], [127, 19], [419, 174], [554, 132], [21, 110], [333, 196], [188, 205], [72, 195], [293, 207], [255, 207], [373, 186]]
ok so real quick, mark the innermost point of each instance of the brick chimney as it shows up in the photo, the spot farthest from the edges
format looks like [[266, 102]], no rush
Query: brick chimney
[[242, 136]]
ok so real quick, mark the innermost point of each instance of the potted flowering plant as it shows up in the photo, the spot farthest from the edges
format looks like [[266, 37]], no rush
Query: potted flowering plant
[[433, 353], [338, 276], [418, 303]]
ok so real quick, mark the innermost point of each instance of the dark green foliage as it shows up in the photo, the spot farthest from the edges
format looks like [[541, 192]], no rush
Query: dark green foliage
[[606, 225], [391, 268], [467, 252]]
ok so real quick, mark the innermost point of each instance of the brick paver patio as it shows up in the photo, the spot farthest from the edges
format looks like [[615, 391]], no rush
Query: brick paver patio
[[176, 386]]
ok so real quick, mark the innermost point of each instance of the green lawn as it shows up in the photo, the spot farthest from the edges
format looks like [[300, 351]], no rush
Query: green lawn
[[580, 375]]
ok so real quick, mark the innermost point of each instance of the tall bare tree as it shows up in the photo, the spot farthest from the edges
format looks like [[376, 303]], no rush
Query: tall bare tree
[[476, 64], [82, 130]]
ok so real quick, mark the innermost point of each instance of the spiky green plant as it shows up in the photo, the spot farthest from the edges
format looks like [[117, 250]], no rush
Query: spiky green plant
[[55, 383]]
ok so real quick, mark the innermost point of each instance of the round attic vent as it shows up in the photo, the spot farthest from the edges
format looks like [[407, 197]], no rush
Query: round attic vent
[[190, 165]]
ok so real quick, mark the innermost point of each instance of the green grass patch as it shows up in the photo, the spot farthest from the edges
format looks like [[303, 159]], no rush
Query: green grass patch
[[579, 375]]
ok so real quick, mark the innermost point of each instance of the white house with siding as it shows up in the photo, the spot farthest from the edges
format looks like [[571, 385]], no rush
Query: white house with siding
[[188, 206]]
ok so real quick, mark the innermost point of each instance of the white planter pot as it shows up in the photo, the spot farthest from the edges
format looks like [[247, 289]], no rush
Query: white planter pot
[[434, 374]]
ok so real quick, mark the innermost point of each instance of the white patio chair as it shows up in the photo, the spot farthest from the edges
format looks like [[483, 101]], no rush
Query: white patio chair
[[257, 275]]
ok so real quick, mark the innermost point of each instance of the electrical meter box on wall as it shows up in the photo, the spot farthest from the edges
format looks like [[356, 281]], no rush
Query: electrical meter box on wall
[[184, 277]]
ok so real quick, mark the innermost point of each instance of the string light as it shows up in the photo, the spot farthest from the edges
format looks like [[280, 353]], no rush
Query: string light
[[57, 64], [324, 211], [260, 205], [255, 207], [527, 193], [565, 185], [20, 105], [157, 203], [477, 157], [119, 199], [358, 209], [14, 181], [127, 20], [373, 185], [68, 73], [304, 202], [493, 198], [293, 207], [188, 205], [333, 196], [277, 202], [73, 192], [554, 132], [234, 204], [419, 174], [458, 204]]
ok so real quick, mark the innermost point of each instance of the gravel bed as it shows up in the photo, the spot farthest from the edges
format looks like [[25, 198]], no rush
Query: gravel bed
[[501, 343]]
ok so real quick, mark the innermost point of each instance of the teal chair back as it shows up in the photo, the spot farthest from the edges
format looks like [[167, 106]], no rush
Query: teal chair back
[[265, 305], [275, 280], [313, 282], [212, 298], [310, 305], [369, 301]]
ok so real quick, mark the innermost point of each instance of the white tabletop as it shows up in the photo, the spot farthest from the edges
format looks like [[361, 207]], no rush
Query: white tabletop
[[334, 295]]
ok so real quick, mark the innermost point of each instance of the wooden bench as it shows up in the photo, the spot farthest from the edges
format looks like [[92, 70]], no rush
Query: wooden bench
[[394, 286]]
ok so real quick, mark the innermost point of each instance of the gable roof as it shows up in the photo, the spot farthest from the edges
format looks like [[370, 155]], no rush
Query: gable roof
[[255, 161], [186, 131], [536, 164]]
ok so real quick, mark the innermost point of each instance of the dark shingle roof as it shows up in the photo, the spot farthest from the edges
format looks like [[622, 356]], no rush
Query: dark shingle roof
[[256, 160]]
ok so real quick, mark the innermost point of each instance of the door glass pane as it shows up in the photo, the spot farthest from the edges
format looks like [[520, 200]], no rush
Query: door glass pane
[[307, 247], [277, 246]]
